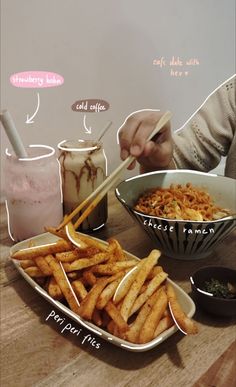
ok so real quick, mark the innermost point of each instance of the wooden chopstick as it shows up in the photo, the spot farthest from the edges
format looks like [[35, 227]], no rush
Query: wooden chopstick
[[107, 184]]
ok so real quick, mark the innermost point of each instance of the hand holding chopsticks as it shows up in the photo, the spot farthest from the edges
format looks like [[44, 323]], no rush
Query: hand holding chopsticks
[[92, 200]]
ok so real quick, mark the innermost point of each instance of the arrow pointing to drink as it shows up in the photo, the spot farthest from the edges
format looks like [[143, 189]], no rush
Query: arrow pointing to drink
[[87, 130], [29, 120]]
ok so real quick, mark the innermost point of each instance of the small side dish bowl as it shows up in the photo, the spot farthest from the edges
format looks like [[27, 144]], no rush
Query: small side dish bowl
[[212, 304], [182, 239]]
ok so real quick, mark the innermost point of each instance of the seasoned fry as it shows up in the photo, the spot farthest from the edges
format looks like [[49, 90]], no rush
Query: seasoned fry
[[83, 263], [133, 333], [164, 324], [105, 318], [34, 272], [93, 242], [70, 256], [27, 263], [79, 289], [115, 250], [147, 265], [144, 287], [74, 236], [89, 302], [96, 317], [43, 265], [89, 277], [114, 313], [73, 275], [154, 317], [33, 252], [63, 283], [150, 289], [186, 324], [59, 233], [126, 282], [107, 293], [111, 327], [156, 270], [113, 268], [54, 289]]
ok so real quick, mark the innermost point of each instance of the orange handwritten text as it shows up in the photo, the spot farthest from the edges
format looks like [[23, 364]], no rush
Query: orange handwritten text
[[176, 65]]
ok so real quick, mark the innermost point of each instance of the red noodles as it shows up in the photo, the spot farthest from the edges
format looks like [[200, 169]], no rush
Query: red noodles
[[183, 202]]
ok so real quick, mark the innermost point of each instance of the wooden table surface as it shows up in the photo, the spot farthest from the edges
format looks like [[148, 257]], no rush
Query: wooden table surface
[[35, 353]]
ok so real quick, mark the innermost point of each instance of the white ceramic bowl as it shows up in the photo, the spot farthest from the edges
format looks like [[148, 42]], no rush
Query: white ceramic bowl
[[182, 239]]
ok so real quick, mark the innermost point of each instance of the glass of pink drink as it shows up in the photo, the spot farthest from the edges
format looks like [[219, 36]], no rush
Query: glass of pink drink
[[33, 192]]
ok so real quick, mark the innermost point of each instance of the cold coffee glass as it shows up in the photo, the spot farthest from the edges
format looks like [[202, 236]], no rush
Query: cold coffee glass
[[83, 169]]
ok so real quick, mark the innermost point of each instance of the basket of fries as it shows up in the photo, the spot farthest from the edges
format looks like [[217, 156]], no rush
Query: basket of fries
[[129, 302]]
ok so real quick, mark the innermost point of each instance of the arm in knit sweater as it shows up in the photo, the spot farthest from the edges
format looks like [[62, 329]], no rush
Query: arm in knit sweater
[[210, 133]]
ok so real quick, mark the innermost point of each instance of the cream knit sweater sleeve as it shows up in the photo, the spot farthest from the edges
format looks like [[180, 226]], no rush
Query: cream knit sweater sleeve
[[210, 133]]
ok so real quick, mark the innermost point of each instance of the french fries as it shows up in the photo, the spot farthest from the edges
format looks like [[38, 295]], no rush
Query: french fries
[[165, 323], [70, 256], [54, 289], [34, 272], [83, 263], [116, 251], [154, 317], [135, 329], [27, 263], [108, 293], [114, 313], [146, 266], [36, 251], [79, 289], [63, 282], [150, 289], [186, 324], [43, 265], [113, 268], [89, 302], [131, 299]]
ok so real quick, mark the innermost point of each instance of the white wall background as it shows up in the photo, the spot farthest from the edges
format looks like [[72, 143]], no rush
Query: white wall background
[[105, 49]]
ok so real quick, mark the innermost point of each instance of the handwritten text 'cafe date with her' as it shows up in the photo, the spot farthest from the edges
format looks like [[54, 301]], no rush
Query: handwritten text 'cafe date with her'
[[178, 67]]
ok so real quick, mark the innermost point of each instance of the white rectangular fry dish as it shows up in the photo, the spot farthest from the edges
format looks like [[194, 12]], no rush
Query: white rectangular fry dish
[[185, 301]]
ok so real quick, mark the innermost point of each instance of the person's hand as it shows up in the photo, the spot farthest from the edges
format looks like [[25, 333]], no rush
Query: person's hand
[[152, 155]]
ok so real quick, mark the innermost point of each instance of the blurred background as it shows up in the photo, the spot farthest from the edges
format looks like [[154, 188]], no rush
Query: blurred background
[[111, 50]]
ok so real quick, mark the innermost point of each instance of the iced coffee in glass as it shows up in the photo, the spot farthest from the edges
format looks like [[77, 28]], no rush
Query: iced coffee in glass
[[83, 169], [33, 191]]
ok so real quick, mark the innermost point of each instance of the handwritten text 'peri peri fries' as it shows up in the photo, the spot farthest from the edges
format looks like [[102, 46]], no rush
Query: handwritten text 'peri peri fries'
[[68, 327]]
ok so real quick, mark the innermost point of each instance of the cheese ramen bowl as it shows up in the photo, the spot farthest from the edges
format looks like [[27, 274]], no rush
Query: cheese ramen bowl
[[179, 237]]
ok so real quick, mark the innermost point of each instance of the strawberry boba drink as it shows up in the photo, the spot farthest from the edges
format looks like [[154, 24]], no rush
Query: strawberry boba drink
[[33, 192]]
